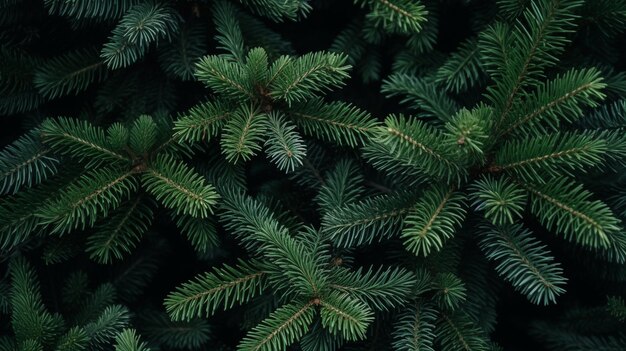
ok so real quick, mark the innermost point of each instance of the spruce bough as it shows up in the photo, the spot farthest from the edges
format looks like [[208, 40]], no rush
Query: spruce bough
[[184, 176]]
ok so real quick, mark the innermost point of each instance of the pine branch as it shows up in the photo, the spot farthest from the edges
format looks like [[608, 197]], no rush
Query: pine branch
[[25, 162], [243, 134], [565, 207], [202, 122], [501, 200], [302, 78], [89, 198], [225, 77], [284, 145], [414, 330], [396, 16], [223, 288], [71, 73], [284, 326], [179, 187], [420, 95], [457, 332], [78, 139], [382, 289], [342, 186], [524, 262], [121, 232], [550, 155], [553, 102], [420, 143], [336, 122], [434, 219], [367, 221], [128, 340]]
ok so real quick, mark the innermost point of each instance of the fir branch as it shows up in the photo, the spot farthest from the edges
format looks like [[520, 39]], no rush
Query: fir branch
[[434, 219], [537, 45], [420, 143], [382, 289], [224, 77], [556, 101], [396, 16], [25, 162], [252, 222], [243, 134], [83, 9], [462, 70], [91, 197], [337, 122], [29, 318], [158, 328], [457, 332], [207, 292], [450, 291], [367, 221], [284, 326], [74, 339], [524, 262], [501, 200], [78, 139], [121, 232], [345, 316], [179, 187], [564, 206], [128, 340], [420, 95], [414, 329], [229, 33], [202, 122], [70, 74], [201, 232], [179, 57], [103, 330], [342, 186], [284, 146], [142, 25], [549, 156], [302, 78]]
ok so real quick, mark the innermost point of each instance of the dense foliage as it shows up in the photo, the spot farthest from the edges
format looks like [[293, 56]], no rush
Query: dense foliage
[[312, 175]]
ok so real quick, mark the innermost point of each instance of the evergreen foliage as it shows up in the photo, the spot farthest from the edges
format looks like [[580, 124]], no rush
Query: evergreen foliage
[[226, 175]]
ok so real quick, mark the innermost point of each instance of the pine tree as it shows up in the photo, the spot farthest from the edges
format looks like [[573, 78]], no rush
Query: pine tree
[[221, 174]]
